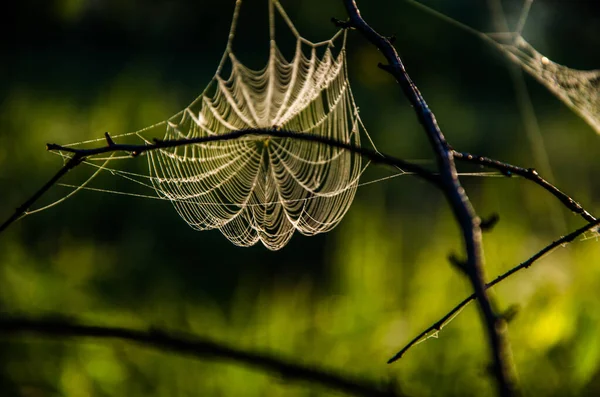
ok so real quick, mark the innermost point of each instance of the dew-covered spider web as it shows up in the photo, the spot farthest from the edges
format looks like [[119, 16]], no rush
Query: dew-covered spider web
[[266, 188], [260, 188]]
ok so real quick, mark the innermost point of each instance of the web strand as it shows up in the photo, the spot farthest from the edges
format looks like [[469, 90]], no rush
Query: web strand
[[578, 89]]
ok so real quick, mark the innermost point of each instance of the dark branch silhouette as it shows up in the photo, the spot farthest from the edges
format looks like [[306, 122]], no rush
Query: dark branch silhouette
[[530, 174], [20, 210], [438, 325], [447, 180], [79, 155], [199, 348], [464, 212]]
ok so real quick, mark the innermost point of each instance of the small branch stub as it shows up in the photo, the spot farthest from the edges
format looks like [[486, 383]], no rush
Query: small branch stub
[[385, 67], [510, 313], [458, 263], [342, 24], [487, 224], [109, 140]]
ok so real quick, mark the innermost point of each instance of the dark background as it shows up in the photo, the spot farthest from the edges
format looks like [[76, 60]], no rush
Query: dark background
[[73, 69]]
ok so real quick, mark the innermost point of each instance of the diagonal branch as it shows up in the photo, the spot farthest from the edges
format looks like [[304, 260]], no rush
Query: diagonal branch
[[459, 202], [79, 155], [199, 348], [438, 325], [20, 210], [530, 174]]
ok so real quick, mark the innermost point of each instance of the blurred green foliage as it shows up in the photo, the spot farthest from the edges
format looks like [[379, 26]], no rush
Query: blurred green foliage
[[347, 300]]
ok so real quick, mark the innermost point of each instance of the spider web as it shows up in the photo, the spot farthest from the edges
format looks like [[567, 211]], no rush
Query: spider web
[[268, 187], [261, 188], [578, 89]]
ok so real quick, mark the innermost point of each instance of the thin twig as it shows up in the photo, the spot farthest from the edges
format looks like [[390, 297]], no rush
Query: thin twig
[[197, 347], [461, 206], [438, 325], [20, 210], [79, 155], [530, 174]]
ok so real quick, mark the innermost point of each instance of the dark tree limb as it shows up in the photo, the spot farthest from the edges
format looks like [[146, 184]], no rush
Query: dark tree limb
[[197, 347], [79, 155], [136, 150], [461, 206], [20, 210], [438, 325], [530, 174]]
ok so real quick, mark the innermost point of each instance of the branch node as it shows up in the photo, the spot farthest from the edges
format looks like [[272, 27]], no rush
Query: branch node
[[53, 146], [487, 224], [109, 140], [510, 313], [460, 264], [387, 68], [76, 160], [342, 24]]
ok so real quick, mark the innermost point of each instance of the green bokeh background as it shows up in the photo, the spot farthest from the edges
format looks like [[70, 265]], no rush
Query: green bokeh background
[[346, 300]]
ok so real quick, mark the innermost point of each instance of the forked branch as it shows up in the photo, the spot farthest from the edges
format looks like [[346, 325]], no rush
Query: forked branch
[[459, 202], [79, 155], [136, 150], [438, 325]]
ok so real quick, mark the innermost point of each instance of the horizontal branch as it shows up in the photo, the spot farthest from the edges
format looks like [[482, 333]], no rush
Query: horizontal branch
[[79, 155], [135, 150], [199, 348], [530, 174], [438, 325]]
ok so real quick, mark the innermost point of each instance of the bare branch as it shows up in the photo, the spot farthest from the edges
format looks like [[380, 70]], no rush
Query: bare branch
[[530, 174], [199, 348], [438, 325], [459, 201], [20, 210], [80, 155], [372, 155]]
